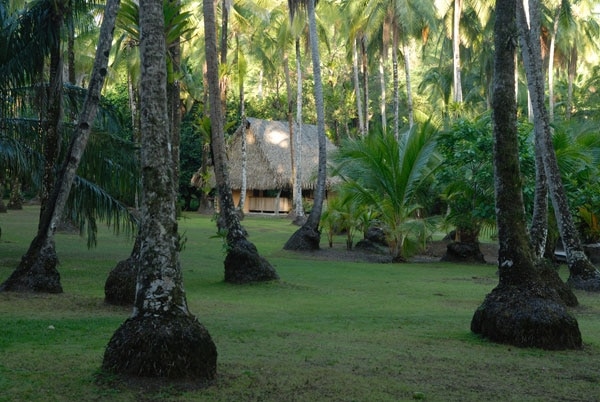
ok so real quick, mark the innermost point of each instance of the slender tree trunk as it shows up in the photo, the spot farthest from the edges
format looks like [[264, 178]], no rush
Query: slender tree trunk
[[365, 77], [456, 51], [409, 97], [243, 264], [308, 236], [551, 51], [520, 311], [51, 123], [299, 207], [356, 80], [37, 270], [572, 73], [382, 105], [583, 275], [15, 200], [161, 338], [396, 93]]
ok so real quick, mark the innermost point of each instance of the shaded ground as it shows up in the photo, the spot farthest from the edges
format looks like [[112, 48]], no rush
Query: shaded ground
[[434, 252]]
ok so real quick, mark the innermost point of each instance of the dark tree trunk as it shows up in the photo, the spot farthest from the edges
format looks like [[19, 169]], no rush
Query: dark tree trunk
[[243, 264], [119, 288], [37, 270], [161, 338], [15, 201], [521, 310], [308, 236], [583, 274]]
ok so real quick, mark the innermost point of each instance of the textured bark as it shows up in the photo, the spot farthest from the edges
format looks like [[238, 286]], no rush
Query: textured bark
[[40, 259], [521, 310], [457, 84], [244, 261], [298, 207], [356, 82], [311, 226], [463, 252], [119, 288], [583, 274], [161, 338]]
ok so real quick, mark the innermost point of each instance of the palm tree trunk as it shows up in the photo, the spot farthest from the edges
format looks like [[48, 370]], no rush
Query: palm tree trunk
[[382, 105], [161, 338], [456, 51], [308, 236], [356, 80], [242, 263], [396, 83], [551, 51], [583, 275], [520, 311], [365, 77], [409, 97], [298, 138], [37, 270]]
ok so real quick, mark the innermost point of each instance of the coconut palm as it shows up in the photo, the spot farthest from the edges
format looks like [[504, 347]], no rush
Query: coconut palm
[[308, 236], [583, 274], [406, 20], [242, 263], [37, 269], [384, 174], [161, 338], [521, 310]]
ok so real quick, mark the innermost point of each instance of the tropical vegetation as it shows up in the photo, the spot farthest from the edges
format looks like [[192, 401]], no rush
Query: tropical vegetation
[[475, 136]]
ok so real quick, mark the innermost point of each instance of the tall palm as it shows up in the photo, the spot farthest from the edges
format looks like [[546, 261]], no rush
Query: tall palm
[[243, 264], [384, 174], [161, 338], [520, 311], [583, 274], [37, 269], [406, 20], [309, 236]]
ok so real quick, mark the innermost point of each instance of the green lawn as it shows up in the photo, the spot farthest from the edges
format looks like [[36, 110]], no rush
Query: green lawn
[[328, 331]]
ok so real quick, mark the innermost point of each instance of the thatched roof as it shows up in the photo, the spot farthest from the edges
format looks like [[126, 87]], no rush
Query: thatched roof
[[268, 156]]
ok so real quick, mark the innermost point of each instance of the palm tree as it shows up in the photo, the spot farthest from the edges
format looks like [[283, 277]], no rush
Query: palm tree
[[521, 310], [243, 264], [161, 338], [406, 20], [37, 269], [384, 175], [583, 275], [308, 236]]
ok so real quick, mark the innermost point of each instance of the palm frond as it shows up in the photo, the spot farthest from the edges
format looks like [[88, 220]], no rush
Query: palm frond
[[89, 203]]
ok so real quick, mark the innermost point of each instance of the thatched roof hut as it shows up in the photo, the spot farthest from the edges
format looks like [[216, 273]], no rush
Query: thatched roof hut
[[268, 156]]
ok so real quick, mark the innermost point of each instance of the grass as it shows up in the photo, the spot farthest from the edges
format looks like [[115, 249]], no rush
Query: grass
[[329, 331]]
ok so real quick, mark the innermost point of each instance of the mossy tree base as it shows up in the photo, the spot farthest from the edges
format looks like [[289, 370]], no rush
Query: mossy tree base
[[304, 239], [243, 264], [36, 272], [119, 288], [171, 346], [550, 278], [526, 316], [584, 276], [464, 252]]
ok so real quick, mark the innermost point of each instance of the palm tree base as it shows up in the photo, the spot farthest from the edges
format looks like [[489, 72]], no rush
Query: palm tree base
[[550, 278], [464, 252], [119, 288], [304, 239], [37, 271], [526, 316], [584, 276], [167, 346], [243, 264]]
